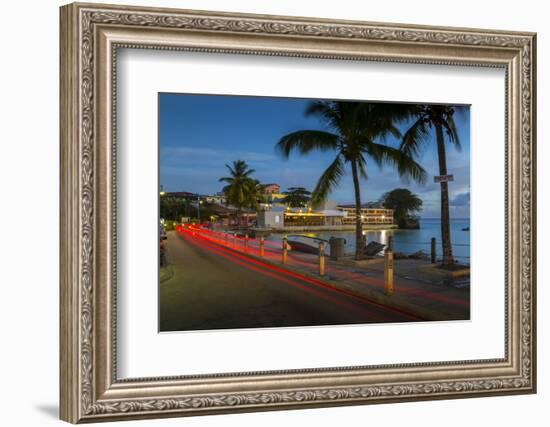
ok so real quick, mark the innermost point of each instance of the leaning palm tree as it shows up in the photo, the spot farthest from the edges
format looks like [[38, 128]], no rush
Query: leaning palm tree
[[241, 189], [439, 118], [356, 132]]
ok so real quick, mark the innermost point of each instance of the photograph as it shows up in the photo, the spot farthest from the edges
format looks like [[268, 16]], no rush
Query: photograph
[[289, 212], [268, 209]]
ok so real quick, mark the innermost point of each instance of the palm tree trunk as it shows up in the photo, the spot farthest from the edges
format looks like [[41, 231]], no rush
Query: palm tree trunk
[[358, 224], [445, 217]]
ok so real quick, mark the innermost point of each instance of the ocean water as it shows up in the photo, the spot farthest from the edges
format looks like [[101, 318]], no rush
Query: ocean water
[[408, 241]]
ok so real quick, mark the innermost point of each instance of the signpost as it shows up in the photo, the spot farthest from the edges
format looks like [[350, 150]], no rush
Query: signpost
[[444, 178]]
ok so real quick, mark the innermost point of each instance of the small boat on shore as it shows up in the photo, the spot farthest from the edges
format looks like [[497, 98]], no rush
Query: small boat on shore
[[373, 248], [306, 244]]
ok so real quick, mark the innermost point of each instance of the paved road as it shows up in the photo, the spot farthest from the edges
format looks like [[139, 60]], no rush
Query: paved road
[[215, 288]]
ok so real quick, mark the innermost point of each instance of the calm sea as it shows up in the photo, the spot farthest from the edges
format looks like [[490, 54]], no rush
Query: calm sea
[[408, 241]]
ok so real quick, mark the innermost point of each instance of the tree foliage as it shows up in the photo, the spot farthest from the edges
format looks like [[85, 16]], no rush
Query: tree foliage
[[241, 191], [404, 203], [173, 208], [297, 197]]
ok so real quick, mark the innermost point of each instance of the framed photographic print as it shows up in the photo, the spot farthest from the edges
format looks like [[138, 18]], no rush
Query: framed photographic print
[[264, 212]]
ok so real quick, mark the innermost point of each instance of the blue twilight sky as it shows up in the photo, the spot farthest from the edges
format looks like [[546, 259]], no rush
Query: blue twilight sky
[[199, 134]]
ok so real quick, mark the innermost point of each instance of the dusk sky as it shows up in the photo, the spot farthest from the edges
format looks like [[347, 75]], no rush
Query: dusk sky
[[199, 134]]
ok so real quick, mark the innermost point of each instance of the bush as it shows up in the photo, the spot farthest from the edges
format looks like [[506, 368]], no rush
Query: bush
[[170, 225]]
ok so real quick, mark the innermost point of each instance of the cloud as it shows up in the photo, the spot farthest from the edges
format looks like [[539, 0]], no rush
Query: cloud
[[194, 154], [462, 199]]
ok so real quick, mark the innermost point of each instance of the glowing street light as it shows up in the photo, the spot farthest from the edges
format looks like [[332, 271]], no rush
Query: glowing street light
[[199, 207]]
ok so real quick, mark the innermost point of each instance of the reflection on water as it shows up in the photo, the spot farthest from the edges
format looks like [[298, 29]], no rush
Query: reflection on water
[[407, 241]]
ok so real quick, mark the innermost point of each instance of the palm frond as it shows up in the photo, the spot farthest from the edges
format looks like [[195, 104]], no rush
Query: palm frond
[[327, 111], [305, 141], [379, 120], [328, 180], [362, 166], [406, 166], [452, 132], [414, 137]]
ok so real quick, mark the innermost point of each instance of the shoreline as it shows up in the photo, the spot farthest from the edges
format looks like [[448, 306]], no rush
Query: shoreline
[[325, 228]]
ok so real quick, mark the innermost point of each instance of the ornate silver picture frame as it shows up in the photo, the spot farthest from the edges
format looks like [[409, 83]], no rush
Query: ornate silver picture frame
[[91, 390]]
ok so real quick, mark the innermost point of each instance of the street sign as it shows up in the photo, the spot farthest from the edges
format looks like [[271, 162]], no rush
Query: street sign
[[443, 178]]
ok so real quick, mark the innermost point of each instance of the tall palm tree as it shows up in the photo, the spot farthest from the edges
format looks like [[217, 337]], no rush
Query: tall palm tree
[[353, 132], [241, 190], [439, 118]]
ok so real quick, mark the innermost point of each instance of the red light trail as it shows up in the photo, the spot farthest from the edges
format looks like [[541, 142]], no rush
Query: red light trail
[[205, 240], [274, 254]]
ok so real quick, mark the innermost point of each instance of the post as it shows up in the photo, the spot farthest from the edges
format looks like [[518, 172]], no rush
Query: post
[[388, 272], [234, 241], [262, 246], [432, 250], [246, 242], [321, 258], [199, 208], [390, 243], [285, 249]]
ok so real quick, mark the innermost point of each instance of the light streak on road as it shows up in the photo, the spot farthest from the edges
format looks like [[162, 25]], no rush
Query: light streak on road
[[274, 254], [205, 239]]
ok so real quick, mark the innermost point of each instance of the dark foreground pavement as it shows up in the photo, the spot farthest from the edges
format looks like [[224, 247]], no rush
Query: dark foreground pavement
[[216, 288]]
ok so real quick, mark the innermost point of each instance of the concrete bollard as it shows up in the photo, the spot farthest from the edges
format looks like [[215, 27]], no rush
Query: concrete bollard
[[262, 246], [390, 244], [246, 242], [285, 250], [432, 251], [321, 259], [388, 272]]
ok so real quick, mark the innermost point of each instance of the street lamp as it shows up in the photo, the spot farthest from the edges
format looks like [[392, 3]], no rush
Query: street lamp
[[199, 207]]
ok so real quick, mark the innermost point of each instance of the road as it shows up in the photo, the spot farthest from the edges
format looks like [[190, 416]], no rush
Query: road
[[213, 287]]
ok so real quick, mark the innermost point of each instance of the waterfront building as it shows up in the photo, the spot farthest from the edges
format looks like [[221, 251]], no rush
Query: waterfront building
[[329, 216], [272, 194], [272, 218], [229, 216], [372, 213], [180, 194], [271, 188], [283, 218], [218, 198], [309, 218]]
